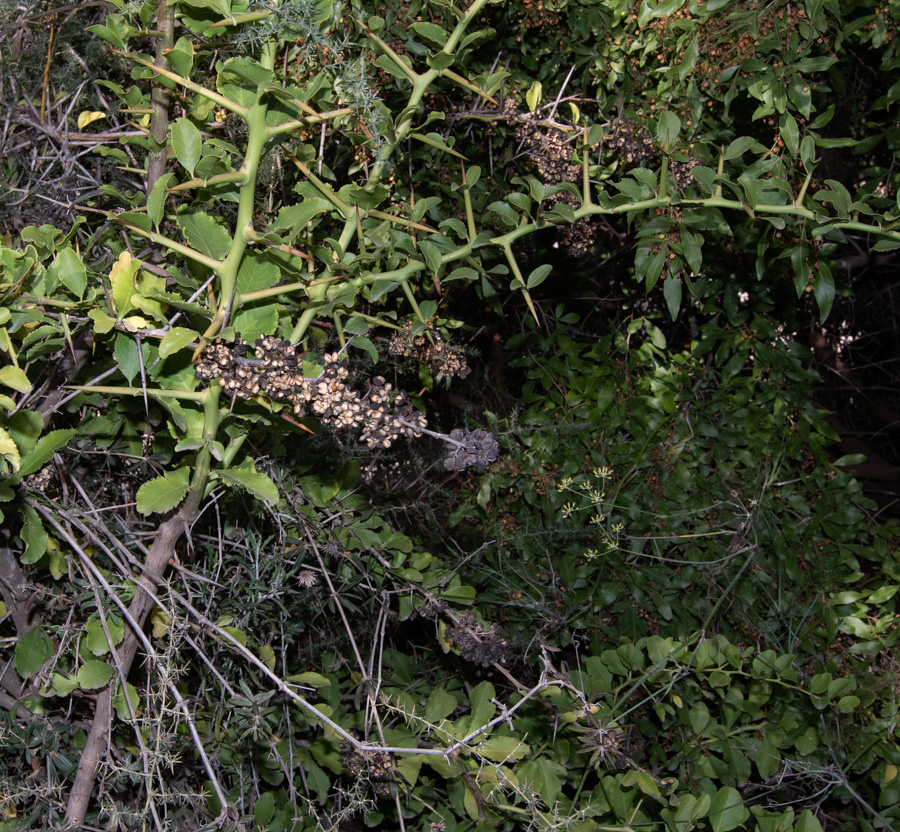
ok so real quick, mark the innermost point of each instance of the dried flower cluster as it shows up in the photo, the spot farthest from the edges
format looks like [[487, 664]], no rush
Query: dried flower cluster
[[633, 144], [551, 154], [472, 448], [441, 359], [553, 157], [275, 369], [479, 645]]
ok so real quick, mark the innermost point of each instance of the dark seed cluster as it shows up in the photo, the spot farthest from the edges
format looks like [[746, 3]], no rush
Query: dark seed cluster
[[632, 144], [441, 358], [376, 766], [479, 645], [471, 448], [549, 151], [274, 368], [552, 156]]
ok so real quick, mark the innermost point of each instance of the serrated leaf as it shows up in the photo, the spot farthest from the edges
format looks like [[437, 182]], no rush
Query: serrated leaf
[[96, 639], [9, 451], [43, 450], [33, 535], [253, 481], [71, 271], [256, 273], [94, 675], [256, 321], [103, 323], [163, 493], [32, 650], [439, 706], [294, 218], [187, 143], [62, 684], [204, 234], [175, 339], [503, 749], [15, 378]]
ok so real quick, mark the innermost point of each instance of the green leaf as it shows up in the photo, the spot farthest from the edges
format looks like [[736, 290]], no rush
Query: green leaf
[[727, 810], [256, 273], [294, 218], [672, 289], [808, 822], [103, 323], [163, 493], [483, 709], [176, 339], [181, 57], [264, 810], [156, 202], [15, 378], [96, 639], [94, 675], [824, 290], [9, 451], [689, 61], [121, 705], [738, 147], [33, 535], [71, 271], [127, 357], [432, 255], [667, 128], [32, 650], [310, 679], [430, 32], [790, 133], [534, 95], [255, 321], [187, 143], [204, 234], [502, 749], [256, 483], [44, 449], [357, 325], [691, 243], [538, 276], [439, 706]]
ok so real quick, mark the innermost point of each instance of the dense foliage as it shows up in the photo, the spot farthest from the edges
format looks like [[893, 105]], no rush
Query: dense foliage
[[408, 416]]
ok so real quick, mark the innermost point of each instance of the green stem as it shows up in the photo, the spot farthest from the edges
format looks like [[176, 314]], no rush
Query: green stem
[[186, 395]]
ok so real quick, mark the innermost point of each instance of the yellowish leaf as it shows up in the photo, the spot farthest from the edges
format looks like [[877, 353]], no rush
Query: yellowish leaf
[[87, 117]]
